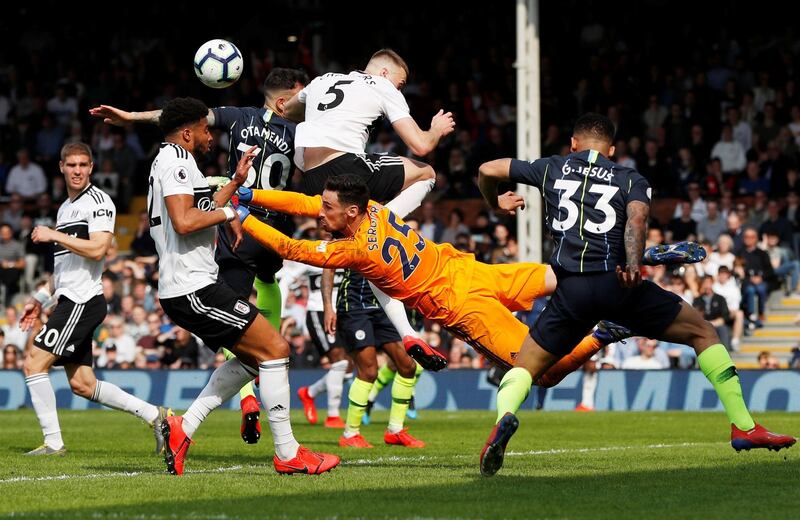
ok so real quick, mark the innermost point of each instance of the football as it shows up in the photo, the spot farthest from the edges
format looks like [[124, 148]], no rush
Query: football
[[218, 63]]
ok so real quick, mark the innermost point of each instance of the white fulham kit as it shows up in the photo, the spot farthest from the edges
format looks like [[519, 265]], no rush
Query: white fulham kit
[[186, 262], [75, 276], [359, 100]]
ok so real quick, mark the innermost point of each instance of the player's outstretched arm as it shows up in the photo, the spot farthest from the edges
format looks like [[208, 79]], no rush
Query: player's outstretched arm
[[490, 175], [635, 233], [319, 253], [422, 142], [287, 202], [118, 117], [295, 110]]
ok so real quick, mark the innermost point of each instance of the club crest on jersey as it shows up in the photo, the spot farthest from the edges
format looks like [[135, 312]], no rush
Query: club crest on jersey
[[241, 307], [322, 247], [181, 175]]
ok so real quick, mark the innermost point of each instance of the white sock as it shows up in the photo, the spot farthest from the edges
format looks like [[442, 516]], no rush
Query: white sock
[[319, 386], [225, 382], [275, 395], [410, 198], [373, 394], [589, 387], [44, 404], [334, 380], [396, 312], [109, 394]]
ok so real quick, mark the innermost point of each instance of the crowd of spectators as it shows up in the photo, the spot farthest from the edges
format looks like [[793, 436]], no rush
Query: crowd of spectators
[[713, 124]]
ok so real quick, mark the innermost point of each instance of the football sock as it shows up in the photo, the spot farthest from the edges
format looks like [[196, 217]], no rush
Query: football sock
[[410, 198], [247, 390], [275, 395], [385, 376], [359, 392], [319, 386], [513, 391], [396, 312], [589, 387], [109, 394], [334, 381], [402, 390], [225, 381], [588, 347], [268, 301], [43, 398], [717, 366]]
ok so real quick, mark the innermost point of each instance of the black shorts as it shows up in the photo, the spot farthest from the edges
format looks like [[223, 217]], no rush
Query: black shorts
[[315, 324], [215, 313], [383, 173], [239, 268], [68, 333], [581, 300], [364, 328]]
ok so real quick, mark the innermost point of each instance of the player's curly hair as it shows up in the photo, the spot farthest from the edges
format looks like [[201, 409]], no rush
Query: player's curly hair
[[281, 78], [181, 112], [595, 126], [351, 189]]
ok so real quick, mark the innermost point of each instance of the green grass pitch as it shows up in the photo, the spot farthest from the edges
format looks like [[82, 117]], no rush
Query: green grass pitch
[[560, 465]]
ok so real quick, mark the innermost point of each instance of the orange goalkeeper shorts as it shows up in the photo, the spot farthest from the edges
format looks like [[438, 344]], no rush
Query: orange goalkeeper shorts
[[485, 319]]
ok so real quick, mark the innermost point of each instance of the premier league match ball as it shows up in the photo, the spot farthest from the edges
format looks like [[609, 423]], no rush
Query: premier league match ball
[[218, 63]]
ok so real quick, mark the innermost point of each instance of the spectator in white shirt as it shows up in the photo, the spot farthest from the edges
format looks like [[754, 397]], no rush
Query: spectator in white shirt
[[14, 334], [118, 338], [26, 178], [723, 256], [727, 287], [646, 360], [730, 152]]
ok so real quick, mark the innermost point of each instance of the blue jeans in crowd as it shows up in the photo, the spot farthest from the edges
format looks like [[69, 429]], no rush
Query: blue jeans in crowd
[[755, 297], [793, 270]]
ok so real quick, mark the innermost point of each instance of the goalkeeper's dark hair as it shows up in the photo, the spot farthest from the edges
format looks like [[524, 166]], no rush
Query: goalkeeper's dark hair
[[351, 189], [179, 113], [284, 79], [595, 126]]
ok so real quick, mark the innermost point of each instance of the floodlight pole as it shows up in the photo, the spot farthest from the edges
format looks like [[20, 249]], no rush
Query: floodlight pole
[[529, 221]]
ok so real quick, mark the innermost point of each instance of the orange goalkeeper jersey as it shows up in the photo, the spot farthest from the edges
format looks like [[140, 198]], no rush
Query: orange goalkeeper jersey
[[433, 278]]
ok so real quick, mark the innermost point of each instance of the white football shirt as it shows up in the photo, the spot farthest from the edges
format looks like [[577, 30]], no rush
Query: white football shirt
[[340, 108], [295, 272], [77, 277], [185, 262]]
